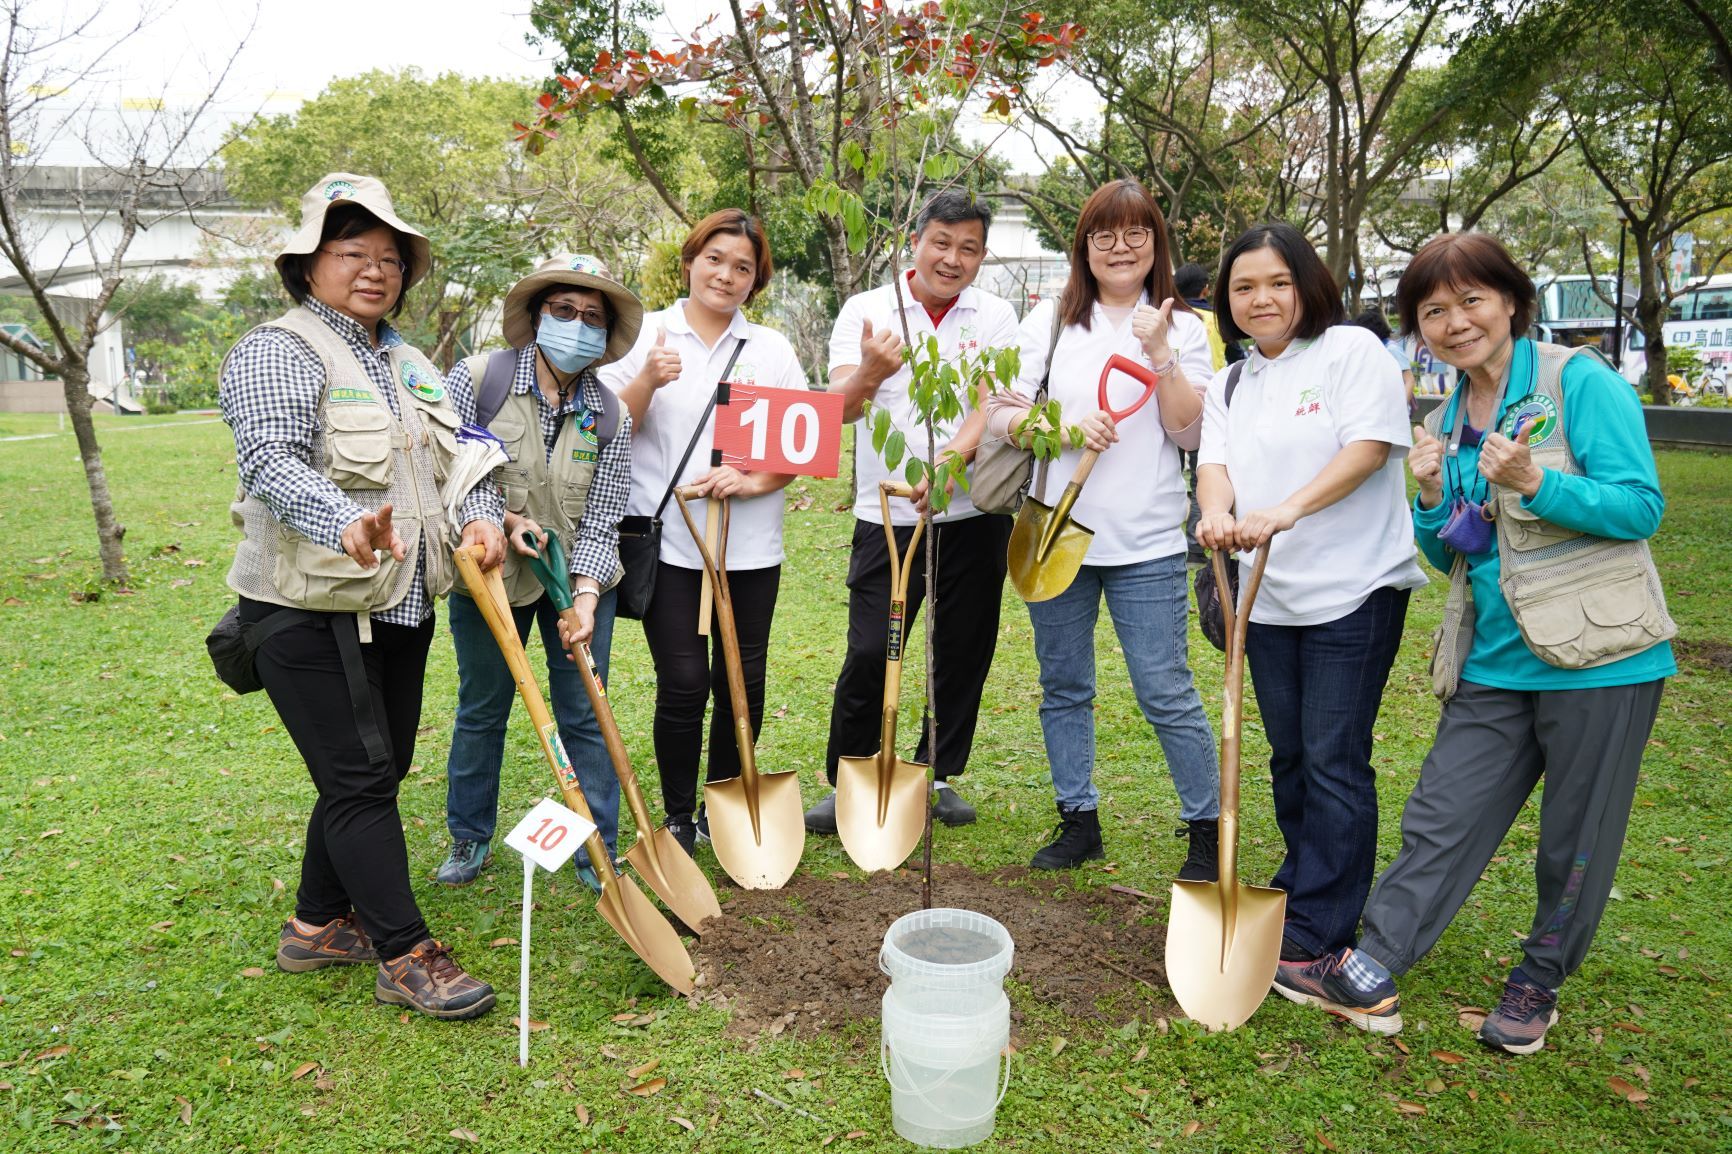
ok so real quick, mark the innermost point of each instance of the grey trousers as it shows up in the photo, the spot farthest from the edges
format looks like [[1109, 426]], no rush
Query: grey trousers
[[1492, 746]]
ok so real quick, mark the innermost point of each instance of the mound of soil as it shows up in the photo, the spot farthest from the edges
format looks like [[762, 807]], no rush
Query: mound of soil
[[805, 957]]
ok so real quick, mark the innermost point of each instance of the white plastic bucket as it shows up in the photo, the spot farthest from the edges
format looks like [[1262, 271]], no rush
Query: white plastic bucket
[[946, 1026]]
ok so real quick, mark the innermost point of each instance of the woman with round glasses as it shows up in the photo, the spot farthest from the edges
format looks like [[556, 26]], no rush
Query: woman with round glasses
[[570, 471], [1120, 300], [344, 438]]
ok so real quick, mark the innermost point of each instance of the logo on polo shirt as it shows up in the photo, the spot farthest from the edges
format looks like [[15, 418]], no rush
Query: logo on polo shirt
[[967, 338], [1535, 412], [339, 190], [1310, 401], [418, 382], [745, 373]]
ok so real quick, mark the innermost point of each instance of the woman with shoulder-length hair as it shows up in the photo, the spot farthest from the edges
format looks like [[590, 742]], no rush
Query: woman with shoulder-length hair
[[344, 436], [1537, 495], [1305, 438], [1120, 300], [668, 380]]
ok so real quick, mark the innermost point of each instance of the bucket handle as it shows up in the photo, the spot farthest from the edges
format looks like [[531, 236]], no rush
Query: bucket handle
[[1003, 1089]]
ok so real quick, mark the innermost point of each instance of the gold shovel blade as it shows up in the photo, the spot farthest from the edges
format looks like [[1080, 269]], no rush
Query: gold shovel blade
[[1040, 574], [647, 932], [860, 790], [764, 860], [1220, 961], [674, 877]]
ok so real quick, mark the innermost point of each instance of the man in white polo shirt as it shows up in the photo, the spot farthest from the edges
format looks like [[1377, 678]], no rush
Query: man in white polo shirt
[[937, 297]]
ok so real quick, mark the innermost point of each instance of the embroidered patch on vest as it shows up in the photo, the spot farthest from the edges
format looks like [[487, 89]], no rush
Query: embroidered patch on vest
[[583, 454], [416, 382], [339, 190], [349, 396], [1535, 412], [586, 427]]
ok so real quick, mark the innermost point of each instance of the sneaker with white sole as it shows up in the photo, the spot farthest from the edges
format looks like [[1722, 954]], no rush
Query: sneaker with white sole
[[1523, 1015], [1322, 983]]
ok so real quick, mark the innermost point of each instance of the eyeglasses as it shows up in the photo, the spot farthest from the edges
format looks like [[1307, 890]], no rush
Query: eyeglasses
[[560, 310], [1107, 239], [356, 263]]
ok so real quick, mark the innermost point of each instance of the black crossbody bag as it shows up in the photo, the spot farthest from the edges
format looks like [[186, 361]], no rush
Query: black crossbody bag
[[640, 537]]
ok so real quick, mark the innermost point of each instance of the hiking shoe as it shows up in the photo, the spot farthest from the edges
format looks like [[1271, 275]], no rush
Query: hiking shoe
[[1078, 840], [465, 862], [821, 818], [428, 980], [1323, 983], [341, 942], [702, 821], [1200, 858], [1524, 1014], [685, 831], [949, 808], [587, 874]]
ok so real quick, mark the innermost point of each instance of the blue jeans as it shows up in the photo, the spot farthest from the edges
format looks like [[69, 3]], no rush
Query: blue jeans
[[1148, 604], [485, 692], [1318, 688]]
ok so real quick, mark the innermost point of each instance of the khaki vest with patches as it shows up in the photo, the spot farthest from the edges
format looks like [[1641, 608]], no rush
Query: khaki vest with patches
[[1580, 601], [376, 458]]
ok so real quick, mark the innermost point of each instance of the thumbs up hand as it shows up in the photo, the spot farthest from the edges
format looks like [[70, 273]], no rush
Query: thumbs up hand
[[880, 353], [661, 364], [1507, 463], [1425, 462]]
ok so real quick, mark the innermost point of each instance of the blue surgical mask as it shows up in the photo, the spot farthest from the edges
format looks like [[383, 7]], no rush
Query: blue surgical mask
[[570, 345]]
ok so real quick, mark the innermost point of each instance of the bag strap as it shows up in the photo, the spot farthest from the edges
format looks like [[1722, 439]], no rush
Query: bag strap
[[495, 385], [1038, 478], [1233, 373], [698, 432], [346, 627]]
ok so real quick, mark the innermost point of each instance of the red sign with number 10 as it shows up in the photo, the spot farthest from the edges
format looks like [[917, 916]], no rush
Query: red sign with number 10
[[768, 430]]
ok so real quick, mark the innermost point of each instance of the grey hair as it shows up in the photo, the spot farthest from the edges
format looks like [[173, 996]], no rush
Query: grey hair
[[954, 206]]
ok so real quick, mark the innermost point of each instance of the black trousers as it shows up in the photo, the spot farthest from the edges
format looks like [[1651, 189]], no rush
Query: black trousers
[[355, 858], [970, 581], [690, 671]]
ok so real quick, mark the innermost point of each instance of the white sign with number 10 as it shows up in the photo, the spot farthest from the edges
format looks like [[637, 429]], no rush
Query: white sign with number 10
[[549, 834]]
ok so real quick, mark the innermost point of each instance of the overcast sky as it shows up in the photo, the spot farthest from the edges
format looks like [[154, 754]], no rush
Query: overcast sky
[[297, 47]]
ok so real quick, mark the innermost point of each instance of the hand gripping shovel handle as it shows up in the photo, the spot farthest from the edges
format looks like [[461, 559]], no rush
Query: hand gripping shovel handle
[[488, 591]]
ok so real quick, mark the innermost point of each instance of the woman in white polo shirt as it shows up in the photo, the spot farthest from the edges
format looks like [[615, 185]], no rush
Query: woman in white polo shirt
[[667, 381], [1310, 445], [1121, 300]]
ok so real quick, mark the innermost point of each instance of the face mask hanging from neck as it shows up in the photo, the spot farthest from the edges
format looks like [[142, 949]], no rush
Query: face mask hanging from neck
[[570, 345]]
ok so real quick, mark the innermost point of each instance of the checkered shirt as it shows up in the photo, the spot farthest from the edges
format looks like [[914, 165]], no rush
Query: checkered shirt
[[270, 391], [595, 553]]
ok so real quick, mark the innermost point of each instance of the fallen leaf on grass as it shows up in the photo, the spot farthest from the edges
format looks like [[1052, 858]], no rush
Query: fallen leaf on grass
[[185, 1110], [324, 1081], [853, 1134], [1190, 1128], [497, 942], [1470, 1017], [1402, 1046], [303, 1070], [1142, 1052], [686, 1122], [582, 1114], [1275, 1067], [1058, 1045], [1447, 1057], [253, 972], [1434, 1086], [535, 1027], [1626, 1091], [1642, 1073], [645, 1089], [794, 1074], [1692, 1083], [48, 833], [1669, 971], [1325, 1142], [1411, 1109], [54, 1052], [643, 1070], [1630, 1027], [463, 1135]]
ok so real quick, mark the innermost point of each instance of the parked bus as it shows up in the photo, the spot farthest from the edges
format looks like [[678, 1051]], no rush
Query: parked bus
[[1571, 313]]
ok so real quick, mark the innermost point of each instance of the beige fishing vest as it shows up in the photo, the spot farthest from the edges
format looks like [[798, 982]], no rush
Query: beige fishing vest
[[1580, 601], [551, 492], [376, 458]]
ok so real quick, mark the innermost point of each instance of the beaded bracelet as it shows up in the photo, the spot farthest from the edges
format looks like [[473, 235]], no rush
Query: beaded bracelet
[[1172, 363]]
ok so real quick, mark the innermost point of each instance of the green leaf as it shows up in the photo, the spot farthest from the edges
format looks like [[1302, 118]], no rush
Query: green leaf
[[915, 472], [880, 429], [853, 155], [894, 447]]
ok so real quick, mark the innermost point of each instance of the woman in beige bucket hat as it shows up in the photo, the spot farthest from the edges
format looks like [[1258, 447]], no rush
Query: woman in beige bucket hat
[[344, 435], [570, 471]]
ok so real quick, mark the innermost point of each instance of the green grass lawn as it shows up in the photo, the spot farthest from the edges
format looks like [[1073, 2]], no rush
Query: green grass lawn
[[151, 833]]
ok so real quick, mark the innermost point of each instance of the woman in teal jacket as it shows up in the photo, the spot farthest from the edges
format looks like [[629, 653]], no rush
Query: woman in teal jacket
[[1537, 494]]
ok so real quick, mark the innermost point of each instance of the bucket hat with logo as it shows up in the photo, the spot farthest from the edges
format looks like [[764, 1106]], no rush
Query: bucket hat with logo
[[579, 271], [369, 193]]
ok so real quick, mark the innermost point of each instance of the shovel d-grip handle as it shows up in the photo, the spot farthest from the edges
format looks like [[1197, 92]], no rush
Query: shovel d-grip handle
[[1134, 369]]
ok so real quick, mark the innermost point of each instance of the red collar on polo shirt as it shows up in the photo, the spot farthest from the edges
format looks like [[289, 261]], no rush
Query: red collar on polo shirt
[[938, 316]]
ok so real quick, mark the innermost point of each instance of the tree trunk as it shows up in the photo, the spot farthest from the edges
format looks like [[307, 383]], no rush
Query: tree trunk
[[108, 531], [1651, 317]]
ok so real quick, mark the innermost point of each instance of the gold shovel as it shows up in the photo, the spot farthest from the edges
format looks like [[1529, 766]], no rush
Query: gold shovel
[[881, 799], [757, 824], [1220, 987], [642, 926], [1046, 546]]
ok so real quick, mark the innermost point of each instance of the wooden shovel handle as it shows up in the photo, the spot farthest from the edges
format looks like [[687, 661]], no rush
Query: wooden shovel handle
[[1238, 622], [724, 609], [610, 736]]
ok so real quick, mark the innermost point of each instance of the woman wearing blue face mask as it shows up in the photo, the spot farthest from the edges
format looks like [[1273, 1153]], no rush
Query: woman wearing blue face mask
[[570, 471]]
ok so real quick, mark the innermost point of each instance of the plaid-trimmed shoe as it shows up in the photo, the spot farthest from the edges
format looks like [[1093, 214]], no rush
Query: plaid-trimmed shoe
[[340, 942], [1523, 1015], [429, 980], [1324, 983]]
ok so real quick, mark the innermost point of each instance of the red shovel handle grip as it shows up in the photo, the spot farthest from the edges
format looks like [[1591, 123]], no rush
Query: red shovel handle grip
[[1130, 368]]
